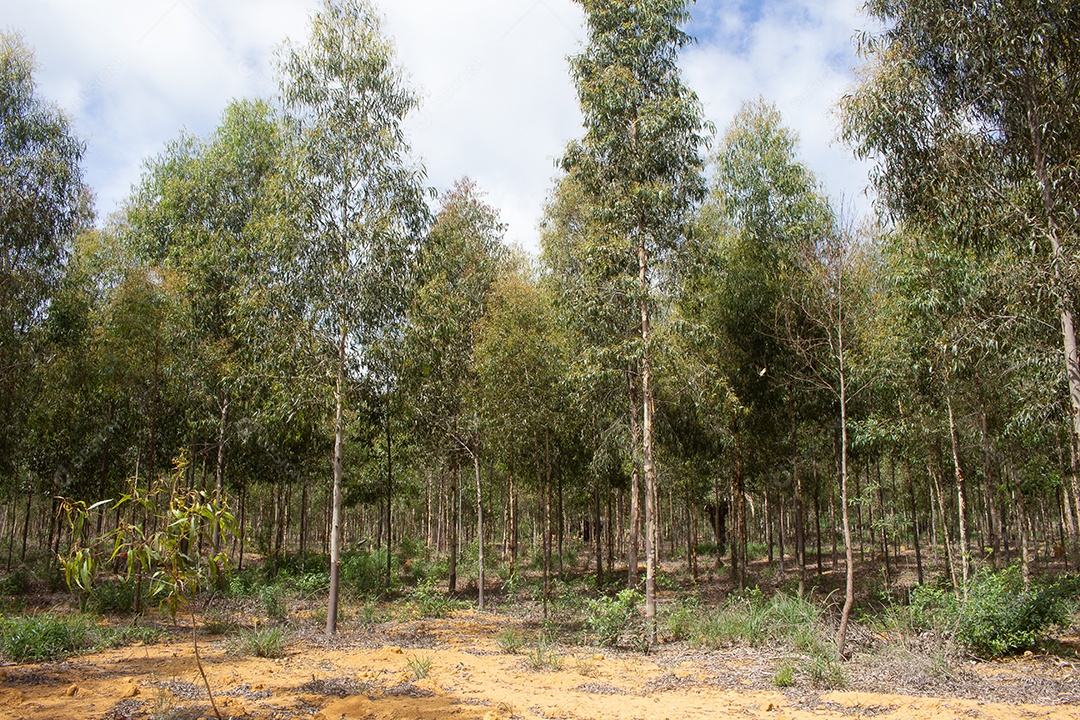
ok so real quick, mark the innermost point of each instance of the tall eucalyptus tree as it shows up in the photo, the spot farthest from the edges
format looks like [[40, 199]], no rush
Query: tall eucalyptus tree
[[361, 203], [971, 109], [640, 169]]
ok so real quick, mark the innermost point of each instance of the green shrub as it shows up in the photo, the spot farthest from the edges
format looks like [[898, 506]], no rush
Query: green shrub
[[37, 638], [274, 601], [119, 596], [785, 675], [612, 619], [431, 602], [364, 572], [17, 583], [999, 617]]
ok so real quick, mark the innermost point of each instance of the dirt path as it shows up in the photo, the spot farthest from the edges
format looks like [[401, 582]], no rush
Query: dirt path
[[362, 676]]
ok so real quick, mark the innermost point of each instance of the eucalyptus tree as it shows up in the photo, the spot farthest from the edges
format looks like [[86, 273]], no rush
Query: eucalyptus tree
[[971, 109], [590, 279], [764, 213], [459, 261], [833, 300], [43, 205], [640, 169], [521, 360], [195, 213], [361, 203]]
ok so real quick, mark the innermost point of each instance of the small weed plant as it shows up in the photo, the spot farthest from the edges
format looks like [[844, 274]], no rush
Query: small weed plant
[[264, 642], [510, 641], [420, 665], [544, 658]]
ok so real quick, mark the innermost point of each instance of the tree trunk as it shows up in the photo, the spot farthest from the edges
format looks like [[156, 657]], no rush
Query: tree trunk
[[513, 528], [635, 490], [849, 555], [479, 529], [961, 503], [651, 535], [452, 528], [389, 498], [598, 546], [339, 459], [800, 531]]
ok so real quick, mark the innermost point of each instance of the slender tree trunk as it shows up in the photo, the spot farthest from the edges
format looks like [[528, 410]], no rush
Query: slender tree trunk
[[950, 565], [738, 506], [914, 519], [219, 465], [651, 535], [635, 489], [800, 531], [546, 485], [849, 556], [389, 499], [339, 459], [479, 529], [961, 503], [452, 528], [598, 547], [513, 528]]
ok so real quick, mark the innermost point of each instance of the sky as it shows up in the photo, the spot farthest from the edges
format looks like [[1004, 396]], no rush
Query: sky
[[498, 102]]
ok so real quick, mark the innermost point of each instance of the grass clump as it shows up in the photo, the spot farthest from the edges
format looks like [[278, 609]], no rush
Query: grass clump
[[265, 642], [430, 602], [543, 657], [38, 638], [749, 618], [510, 641], [785, 675]]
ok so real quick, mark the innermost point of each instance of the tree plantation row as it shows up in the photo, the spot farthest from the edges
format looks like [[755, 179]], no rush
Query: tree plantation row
[[710, 362]]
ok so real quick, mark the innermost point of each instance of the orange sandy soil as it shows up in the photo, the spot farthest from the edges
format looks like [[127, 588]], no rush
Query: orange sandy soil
[[367, 675]]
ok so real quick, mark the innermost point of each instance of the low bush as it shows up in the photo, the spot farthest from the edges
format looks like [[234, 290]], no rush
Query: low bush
[[999, 616]]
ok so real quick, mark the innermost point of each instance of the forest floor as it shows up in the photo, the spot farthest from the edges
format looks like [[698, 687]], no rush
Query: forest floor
[[375, 672], [388, 662]]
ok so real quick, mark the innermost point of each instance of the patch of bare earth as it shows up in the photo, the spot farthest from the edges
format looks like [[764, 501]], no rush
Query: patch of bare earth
[[372, 674]]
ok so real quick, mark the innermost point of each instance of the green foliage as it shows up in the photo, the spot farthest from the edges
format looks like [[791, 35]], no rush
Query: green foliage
[[616, 619], [38, 638], [751, 619], [274, 601], [999, 616], [129, 633], [364, 571], [17, 583], [166, 558], [785, 675], [431, 602], [123, 596]]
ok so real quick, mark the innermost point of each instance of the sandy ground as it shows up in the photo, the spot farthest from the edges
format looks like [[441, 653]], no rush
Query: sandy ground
[[361, 675]]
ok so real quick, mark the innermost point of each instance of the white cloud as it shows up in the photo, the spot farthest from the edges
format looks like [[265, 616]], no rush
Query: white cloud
[[498, 102]]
